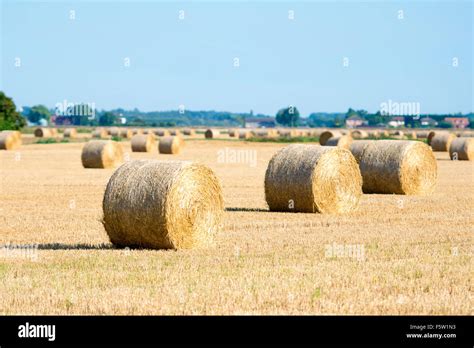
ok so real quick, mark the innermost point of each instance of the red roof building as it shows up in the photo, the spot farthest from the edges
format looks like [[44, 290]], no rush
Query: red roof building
[[458, 122]]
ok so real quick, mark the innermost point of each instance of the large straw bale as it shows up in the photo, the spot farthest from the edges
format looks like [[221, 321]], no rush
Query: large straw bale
[[441, 141], [10, 140], [312, 178], [396, 166], [162, 205], [462, 149]]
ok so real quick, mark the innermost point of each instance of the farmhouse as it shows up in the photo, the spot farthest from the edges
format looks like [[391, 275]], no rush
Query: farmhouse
[[397, 121], [458, 122], [428, 122], [355, 121]]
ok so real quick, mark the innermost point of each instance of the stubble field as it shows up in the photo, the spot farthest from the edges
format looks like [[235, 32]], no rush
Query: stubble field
[[394, 255]]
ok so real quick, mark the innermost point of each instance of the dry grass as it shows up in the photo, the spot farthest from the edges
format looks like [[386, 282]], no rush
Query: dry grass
[[418, 250]]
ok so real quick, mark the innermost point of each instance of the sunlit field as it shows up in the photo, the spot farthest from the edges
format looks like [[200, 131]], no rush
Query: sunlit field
[[394, 255]]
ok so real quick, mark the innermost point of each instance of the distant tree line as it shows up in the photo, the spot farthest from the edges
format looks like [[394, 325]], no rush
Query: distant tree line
[[84, 115]]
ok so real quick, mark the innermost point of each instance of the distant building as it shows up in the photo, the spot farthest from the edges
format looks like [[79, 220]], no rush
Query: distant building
[[428, 122], [260, 122], [458, 122], [397, 121], [355, 121], [61, 120]]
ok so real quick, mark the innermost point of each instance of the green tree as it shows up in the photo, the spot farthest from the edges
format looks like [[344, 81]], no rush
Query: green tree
[[9, 117], [38, 112], [351, 112], [445, 124], [107, 119], [375, 119], [288, 116], [339, 121]]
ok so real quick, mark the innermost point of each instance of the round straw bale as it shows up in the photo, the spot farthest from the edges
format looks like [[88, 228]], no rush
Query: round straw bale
[[374, 133], [70, 133], [396, 166], [343, 141], [359, 134], [126, 133], [243, 134], [175, 132], [262, 133], [189, 131], [425, 135], [162, 132], [162, 205], [232, 133], [316, 132], [396, 132], [99, 133], [10, 140], [324, 137], [43, 132], [114, 131], [170, 145], [411, 135], [288, 133], [441, 141], [211, 133], [16, 134], [273, 133], [462, 149], [102, 154], [137, 131], [431, 134], [311, 178], [143, 143]]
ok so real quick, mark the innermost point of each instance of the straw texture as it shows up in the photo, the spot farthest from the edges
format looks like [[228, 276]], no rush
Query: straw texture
[[441, 141], [396, 166], [143, 143], [70, 133], [189, 131], [43, 132], [170, 145], [162, 205], [211, 133], [102, 154], [462, 149], [10, 140], [99, 133], [311, 178]]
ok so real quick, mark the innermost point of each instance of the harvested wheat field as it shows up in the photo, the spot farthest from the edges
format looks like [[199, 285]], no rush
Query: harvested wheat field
[[394, 254]]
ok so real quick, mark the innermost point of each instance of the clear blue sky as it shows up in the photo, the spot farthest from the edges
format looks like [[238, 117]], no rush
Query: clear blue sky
[[282, 62]]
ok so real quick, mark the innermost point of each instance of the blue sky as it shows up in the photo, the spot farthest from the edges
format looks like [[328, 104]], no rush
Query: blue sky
[[283, 62]]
